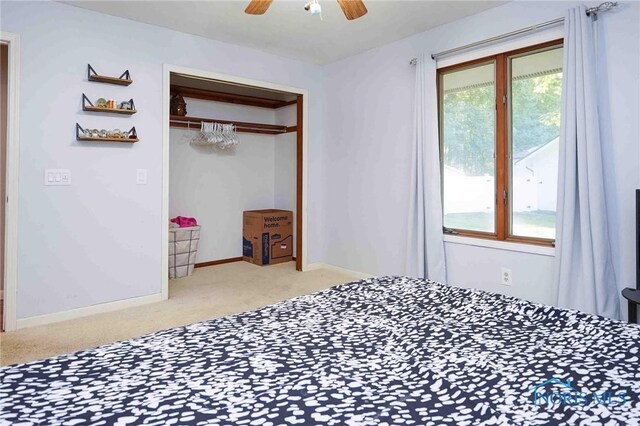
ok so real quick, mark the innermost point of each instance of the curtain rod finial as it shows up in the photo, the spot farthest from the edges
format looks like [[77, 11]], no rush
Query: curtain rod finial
[[602, 7]]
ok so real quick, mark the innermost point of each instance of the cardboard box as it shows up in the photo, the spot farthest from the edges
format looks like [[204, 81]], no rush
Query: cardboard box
[[267, 236]]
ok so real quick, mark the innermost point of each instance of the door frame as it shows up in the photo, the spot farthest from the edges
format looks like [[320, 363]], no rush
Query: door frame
[[12, 167], [301, 169]]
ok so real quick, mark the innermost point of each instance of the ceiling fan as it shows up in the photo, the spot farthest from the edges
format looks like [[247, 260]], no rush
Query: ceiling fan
[[352, 9]]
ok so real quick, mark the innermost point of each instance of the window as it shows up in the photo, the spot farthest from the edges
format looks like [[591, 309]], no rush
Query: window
[[499, 131]]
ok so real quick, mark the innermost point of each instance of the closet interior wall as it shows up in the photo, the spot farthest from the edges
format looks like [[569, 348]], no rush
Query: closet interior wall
[[216, 186]]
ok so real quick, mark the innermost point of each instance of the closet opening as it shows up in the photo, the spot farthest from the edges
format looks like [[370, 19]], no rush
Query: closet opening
[[233, 145]]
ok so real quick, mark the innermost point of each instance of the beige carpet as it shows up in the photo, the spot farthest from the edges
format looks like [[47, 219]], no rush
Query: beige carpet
[[211, 292]]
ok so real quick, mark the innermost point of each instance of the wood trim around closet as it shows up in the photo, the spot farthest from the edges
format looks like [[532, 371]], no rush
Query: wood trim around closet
[[299, 183], [218, 262]]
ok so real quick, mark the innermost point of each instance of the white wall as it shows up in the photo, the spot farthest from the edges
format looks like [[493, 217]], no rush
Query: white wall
[[216, 186], [480, 267], [369, 100], [98, 240]]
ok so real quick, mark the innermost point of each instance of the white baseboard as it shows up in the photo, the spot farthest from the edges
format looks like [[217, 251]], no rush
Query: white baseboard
[[86, 311], [143, 300], [354, 274]]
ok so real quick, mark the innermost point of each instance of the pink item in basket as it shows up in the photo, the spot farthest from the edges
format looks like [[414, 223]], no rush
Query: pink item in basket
[[183, 222]]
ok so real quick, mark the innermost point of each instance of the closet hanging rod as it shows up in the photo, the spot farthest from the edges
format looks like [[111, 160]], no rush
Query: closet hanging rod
[[193, 125], [241, 126]]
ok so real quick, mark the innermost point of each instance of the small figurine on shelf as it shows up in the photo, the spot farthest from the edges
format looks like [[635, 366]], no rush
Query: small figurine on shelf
[[91, 133], [177, 105], [101, 103]]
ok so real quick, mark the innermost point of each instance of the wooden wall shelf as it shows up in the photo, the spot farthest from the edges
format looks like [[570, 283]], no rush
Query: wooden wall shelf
[[241, 126], [81, 137], [109, 110], [123, 80], [121, 140], [92, 108]]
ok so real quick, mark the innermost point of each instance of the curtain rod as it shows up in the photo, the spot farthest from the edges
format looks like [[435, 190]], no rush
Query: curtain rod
[[603, 7]]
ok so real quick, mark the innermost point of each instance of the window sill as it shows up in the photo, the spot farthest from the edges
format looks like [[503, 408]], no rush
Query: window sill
[[501, 245]]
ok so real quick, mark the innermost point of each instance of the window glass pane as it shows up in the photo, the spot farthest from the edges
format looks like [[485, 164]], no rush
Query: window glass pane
[[536, 86], [468, 145]]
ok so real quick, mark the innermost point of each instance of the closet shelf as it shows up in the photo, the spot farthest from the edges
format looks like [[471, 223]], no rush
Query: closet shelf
[[87, 105], [232, 98], [123, 80], [194, 123]]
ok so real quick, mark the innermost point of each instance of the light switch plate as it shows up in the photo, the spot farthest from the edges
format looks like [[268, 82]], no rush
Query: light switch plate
[[141, 176], [57, 177]]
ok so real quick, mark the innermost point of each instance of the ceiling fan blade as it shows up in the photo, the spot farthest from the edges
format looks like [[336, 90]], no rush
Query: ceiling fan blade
[[258, 7], [353, 9]]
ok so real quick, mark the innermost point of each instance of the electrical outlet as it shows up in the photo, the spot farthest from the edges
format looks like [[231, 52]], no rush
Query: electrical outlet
[[505, 277]]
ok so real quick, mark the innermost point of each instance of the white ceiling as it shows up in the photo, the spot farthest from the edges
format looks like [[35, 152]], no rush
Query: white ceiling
[[287, 29]]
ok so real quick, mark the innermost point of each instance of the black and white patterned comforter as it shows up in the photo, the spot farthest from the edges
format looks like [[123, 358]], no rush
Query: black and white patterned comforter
[[379, 351]]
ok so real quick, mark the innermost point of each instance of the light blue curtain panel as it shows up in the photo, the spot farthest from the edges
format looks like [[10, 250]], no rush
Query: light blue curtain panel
[[585, 275], [425, 245]]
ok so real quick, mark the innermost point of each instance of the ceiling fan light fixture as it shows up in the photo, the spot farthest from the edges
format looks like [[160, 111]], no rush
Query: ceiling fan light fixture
[[352, 9], [314, 8]]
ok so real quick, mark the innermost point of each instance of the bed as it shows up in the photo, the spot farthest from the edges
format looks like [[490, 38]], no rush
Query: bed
[[390, 350]]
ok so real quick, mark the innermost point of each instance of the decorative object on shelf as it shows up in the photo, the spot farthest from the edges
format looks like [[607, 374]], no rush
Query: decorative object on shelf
[[123, 80], [177, 105], [115, 135], [102, 105], [218, 135]]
